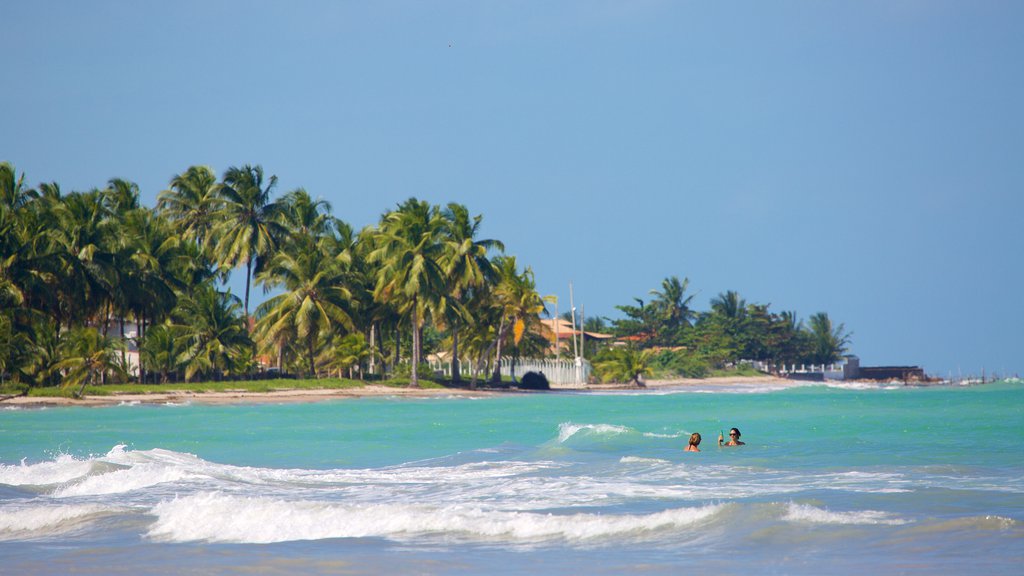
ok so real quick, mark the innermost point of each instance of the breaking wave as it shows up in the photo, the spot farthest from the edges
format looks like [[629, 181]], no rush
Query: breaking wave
[[216, 517]]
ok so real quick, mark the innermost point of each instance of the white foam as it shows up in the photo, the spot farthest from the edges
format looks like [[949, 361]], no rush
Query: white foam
[[63, 469], [567, 430], [656, 435], [215, 517], [16, 523], [642, 460], [124, 480], [813, 515]]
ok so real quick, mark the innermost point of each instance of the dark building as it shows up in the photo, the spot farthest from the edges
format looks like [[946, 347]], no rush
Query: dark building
[[854, 371]]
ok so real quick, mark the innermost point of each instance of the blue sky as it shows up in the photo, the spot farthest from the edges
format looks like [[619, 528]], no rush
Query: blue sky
[[860, 158]]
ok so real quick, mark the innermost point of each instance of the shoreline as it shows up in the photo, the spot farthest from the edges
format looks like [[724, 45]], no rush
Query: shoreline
[[368, 391]]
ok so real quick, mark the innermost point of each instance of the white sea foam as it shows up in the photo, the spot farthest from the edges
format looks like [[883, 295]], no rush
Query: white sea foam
[[567, 430], [656, 435], [216, 517], [16, 523], [642, 460], [63, 469], [813, 515], [123, 480]]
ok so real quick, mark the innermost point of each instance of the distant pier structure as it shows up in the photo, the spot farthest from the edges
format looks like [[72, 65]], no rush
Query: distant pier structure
[[850, 369]]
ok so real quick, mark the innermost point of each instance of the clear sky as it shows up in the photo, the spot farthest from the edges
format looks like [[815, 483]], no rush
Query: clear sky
[[860, 158]]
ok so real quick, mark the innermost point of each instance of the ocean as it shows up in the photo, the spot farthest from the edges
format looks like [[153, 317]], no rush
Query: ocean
[[855, 479]]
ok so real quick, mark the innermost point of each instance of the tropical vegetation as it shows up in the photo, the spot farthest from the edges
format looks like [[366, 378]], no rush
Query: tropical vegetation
[[77, 268], [96, 288], [733, 333]]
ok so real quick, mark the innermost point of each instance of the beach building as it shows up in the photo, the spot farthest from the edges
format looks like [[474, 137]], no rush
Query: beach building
[[849, 368], [560, 333]]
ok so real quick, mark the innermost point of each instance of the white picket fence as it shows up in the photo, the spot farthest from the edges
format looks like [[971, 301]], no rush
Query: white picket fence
[[560, 373]]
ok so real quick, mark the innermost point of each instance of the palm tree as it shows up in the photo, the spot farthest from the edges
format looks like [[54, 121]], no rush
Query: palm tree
[[516, 297], [120, 196], [152, 268], [671, 304], [213, 335], [249, 228], [82, 231], [159, 351], [730, 305], [13, 193], [467, 266], [828, 343], [348, 352], [88, 357], [409, 250], [626, 365], [303, 216], [191, 202], [315, 300]]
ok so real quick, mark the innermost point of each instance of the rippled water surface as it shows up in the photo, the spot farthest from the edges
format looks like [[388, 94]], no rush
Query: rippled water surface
[[837, 480]]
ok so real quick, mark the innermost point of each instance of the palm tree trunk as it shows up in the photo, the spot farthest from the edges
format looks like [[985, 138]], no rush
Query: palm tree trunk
[[248, 276], [414, 381], [398, 345], [373, 348], [124, 349], [456, 369], [497, 356], [312, 361]]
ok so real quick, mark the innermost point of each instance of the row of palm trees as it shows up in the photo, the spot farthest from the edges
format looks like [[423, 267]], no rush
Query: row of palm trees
[[76, 267], [730, 331]]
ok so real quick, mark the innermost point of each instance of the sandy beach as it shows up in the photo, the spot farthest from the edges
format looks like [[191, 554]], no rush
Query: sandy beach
[[292, 396]]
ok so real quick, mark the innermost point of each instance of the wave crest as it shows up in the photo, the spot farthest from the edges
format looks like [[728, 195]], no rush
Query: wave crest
[[811, 514], [216, 517]]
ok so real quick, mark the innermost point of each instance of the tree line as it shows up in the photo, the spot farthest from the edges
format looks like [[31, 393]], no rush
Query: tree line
[[76, 267], [671, 338]]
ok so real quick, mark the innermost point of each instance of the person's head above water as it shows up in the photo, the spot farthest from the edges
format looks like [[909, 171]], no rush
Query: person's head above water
[[695, 439], [734, 438]]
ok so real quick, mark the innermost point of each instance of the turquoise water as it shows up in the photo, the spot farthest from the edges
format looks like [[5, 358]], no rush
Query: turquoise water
[[848, 481]]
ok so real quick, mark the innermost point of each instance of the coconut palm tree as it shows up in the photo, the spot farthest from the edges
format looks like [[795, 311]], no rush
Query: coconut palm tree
[[213, 335], [626, 365], [729, 305], [84, 236], [88, 358], [347, 353], [515, 295], [467, 266], [13, 192], [315, 301], [672, 305], [159, 351], [120, 196], [248, 228], [827, 343], [191, 202], [409, 252], [303, 216]]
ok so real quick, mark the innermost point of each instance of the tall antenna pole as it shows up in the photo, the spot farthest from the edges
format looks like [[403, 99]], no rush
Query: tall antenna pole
[[557, 324], [583, 335], [575, 348], [572, 303]]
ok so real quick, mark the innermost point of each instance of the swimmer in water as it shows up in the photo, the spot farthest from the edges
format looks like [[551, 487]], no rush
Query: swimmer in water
[[734, 438], [694, 442]]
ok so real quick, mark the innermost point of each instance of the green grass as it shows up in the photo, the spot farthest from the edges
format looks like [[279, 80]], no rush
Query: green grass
[[201, 387], [732, 372]]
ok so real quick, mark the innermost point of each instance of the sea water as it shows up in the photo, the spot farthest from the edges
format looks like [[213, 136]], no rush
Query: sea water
[[838, 480]]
